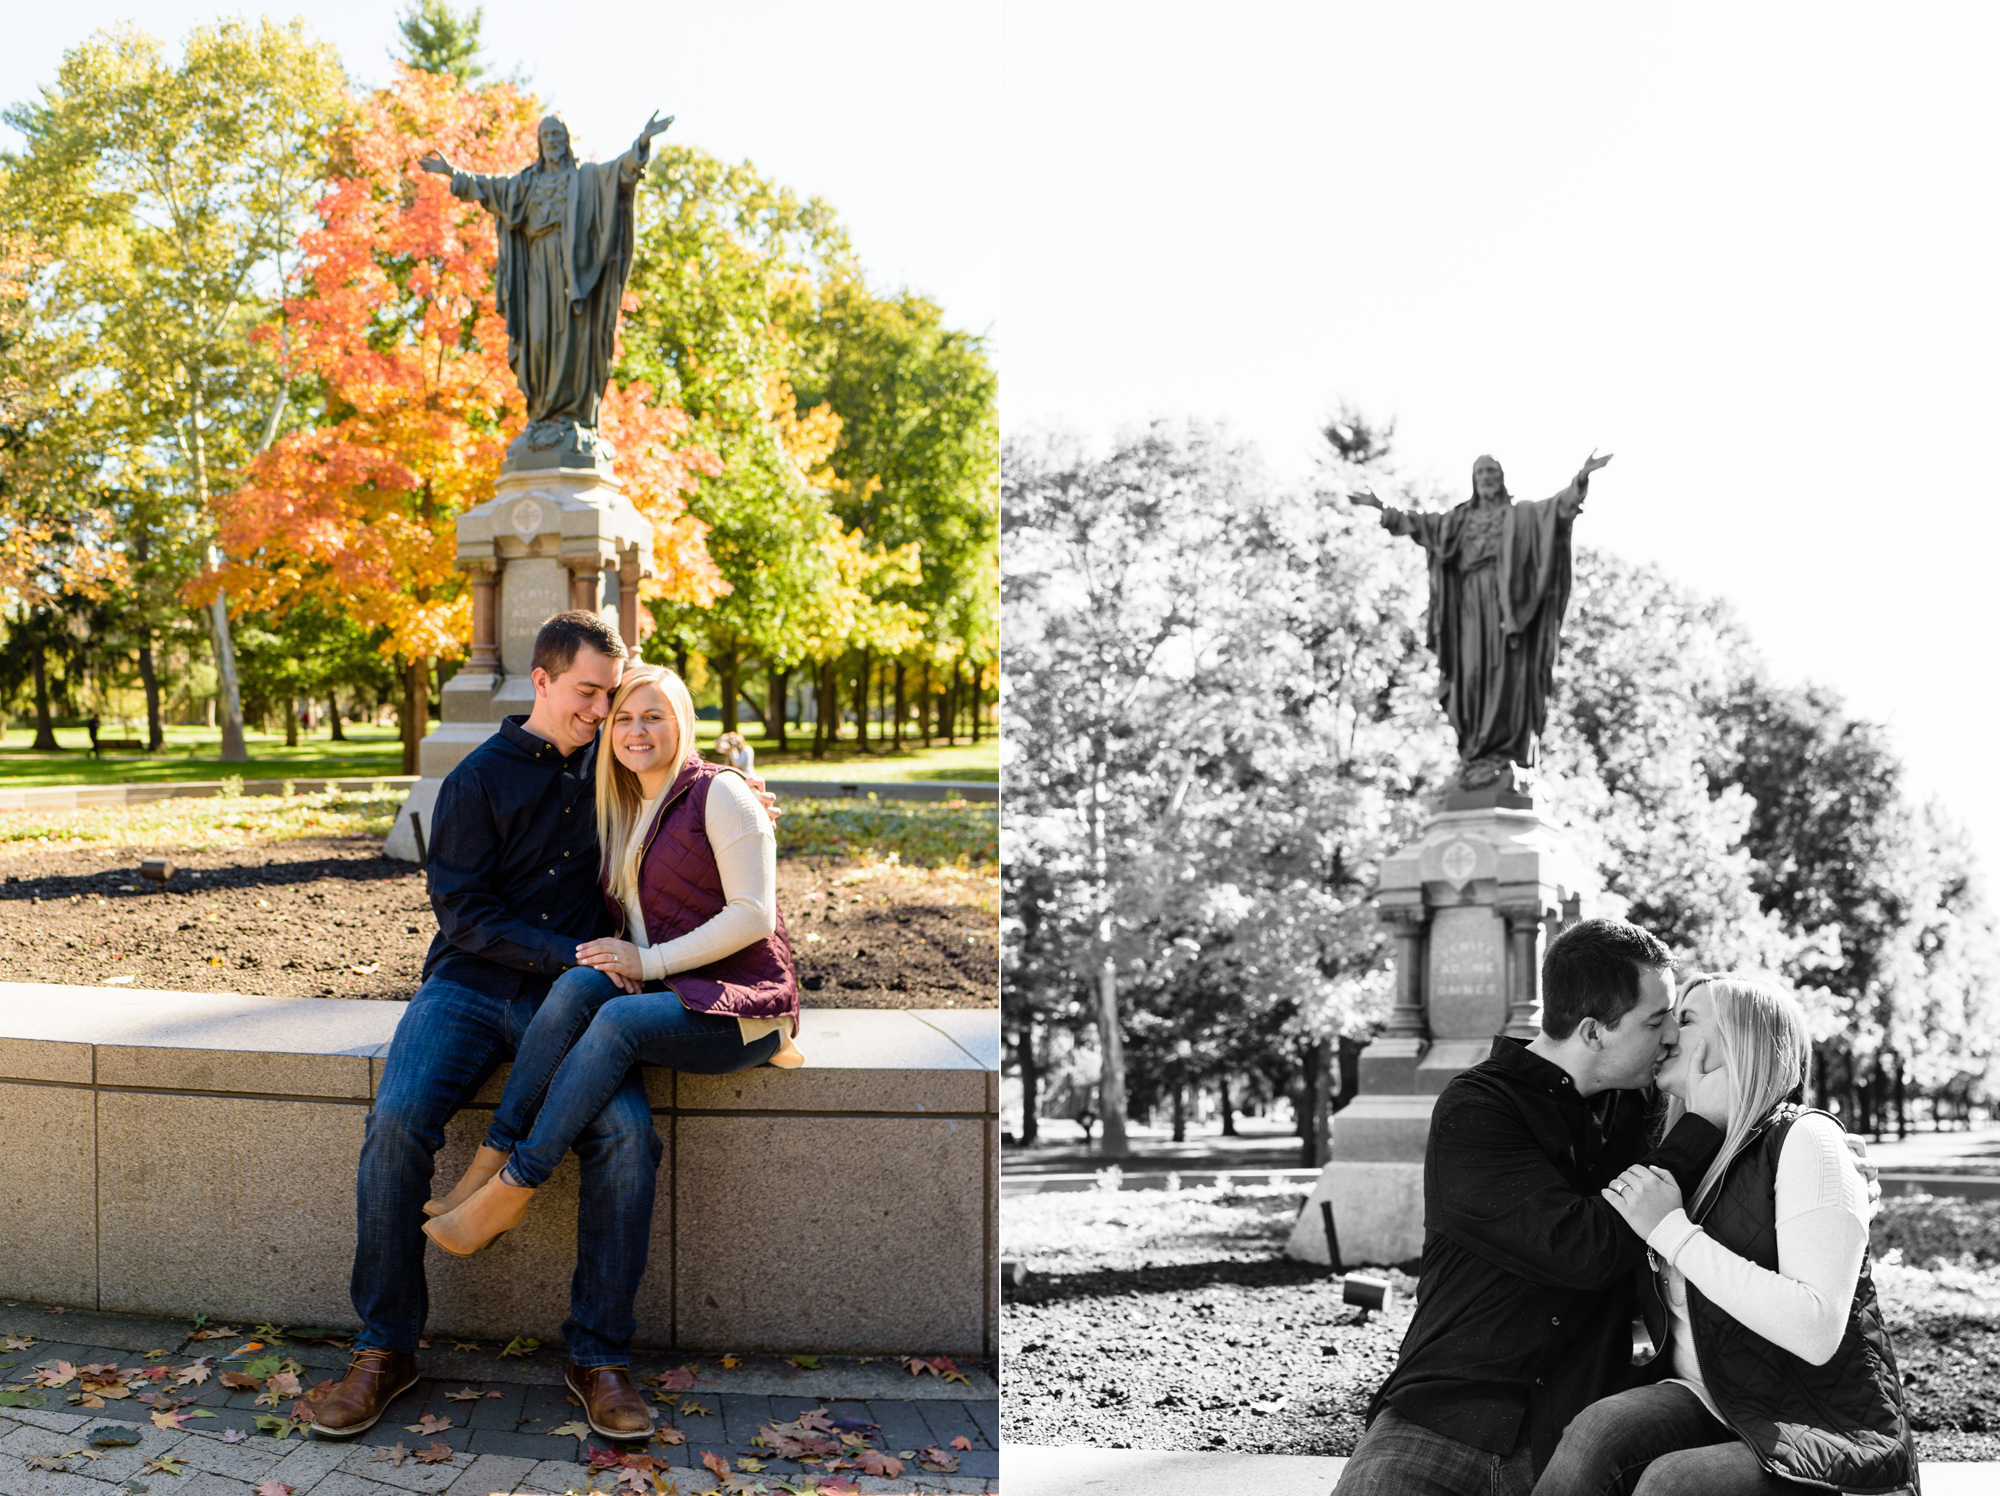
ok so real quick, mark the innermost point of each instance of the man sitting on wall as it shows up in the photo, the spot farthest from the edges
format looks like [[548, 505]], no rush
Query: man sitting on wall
[[1524, 1304], [514, 880]]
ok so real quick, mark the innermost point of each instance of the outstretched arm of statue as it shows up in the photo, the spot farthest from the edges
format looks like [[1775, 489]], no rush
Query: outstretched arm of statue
[[435, 162], [633, 162], [1396, 521], [1570, 500]]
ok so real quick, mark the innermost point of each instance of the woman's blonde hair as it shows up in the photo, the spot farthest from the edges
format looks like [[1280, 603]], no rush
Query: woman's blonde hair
[[1766, 1047], [618, 794]]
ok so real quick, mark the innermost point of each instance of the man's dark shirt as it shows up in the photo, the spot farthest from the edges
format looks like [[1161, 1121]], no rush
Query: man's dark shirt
[[1524, 1301], [513, 864]]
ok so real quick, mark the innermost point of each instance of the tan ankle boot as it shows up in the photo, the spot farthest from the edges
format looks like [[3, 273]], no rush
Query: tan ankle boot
[[496, 1208], [485, 1164]]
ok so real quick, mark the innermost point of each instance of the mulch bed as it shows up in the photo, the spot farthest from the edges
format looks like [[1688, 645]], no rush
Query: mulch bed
[[1208, 1338], [335, 918]]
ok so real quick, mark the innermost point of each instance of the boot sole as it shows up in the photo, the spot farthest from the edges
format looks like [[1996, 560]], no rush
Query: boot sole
[[454, 1250], [362, 1428], [609, 1433]]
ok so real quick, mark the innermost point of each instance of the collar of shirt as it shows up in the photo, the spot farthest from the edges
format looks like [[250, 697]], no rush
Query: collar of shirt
[[540, 749], [1523, 1064]]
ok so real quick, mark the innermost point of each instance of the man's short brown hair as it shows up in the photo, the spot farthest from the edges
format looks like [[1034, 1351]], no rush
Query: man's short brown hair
[[558, 640], [1592, 970]]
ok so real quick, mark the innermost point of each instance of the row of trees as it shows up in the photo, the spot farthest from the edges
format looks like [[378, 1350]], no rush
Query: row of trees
[[1219, 716], [251, 371]]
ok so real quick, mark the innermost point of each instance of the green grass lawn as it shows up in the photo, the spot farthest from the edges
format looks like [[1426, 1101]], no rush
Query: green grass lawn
[[371, 752], [196, 753]]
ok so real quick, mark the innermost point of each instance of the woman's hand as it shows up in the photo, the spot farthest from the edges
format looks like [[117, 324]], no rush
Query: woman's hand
[[1644, 1196], [617, 959], [764, 798], [1708, 1093]]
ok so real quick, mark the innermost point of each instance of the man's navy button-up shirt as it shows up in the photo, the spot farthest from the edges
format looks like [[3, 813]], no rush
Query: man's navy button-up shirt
[[513, 864]]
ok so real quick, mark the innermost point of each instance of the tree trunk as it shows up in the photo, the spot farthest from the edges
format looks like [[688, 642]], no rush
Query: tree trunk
[[292, 722], [1031, 1084], [924, 706], [896, 738], [951, 707], [416, 709], [728, 666], [1180, 1113], [1228, 1112], [1110, 1036], [681, 662], [825, 728], [228, 698], [977, 674], [1318, 1067], [333, 718], [861, 675], [774, 715], [1902, 1117], [156, 728], [45, 730]]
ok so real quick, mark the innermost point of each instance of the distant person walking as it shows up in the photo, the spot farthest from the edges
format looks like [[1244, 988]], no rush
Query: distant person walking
[[95, 751], [736, 753]]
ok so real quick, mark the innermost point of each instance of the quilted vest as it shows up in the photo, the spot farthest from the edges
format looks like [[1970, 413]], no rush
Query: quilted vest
[[680, 889], [1839, 1426]]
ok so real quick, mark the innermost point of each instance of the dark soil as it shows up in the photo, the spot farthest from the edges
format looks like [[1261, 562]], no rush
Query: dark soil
[[335, 918], [1262, 1357]]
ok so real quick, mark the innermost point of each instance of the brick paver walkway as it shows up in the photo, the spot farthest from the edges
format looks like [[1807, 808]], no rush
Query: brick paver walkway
[[503, 1443]]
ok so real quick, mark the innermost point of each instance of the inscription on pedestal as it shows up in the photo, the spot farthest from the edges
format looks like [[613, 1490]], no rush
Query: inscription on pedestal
[[532, 590], [1468, 982]]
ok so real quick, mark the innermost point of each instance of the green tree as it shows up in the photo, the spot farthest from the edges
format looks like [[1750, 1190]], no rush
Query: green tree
[[917, 461], [439, 39], [169, 197], [726, 262]]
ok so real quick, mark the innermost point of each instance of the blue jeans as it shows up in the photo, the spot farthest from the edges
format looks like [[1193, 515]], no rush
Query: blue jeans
[[1656, 1440], [1400, 1457], [587, 1041], [451, 1038]]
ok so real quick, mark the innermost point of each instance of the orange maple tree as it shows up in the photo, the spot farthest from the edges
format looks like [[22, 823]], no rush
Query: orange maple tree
[[399, 332]]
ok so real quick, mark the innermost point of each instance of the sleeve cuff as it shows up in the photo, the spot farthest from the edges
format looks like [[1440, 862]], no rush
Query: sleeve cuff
[[1687, 1151], [1672, 1234]]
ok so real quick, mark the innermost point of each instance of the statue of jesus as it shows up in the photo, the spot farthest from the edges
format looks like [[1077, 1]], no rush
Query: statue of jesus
[[1500, 578], [565, 257]]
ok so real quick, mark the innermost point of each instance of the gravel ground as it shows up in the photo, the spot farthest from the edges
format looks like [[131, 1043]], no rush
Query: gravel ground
[[1156, 1321], [334, 918]]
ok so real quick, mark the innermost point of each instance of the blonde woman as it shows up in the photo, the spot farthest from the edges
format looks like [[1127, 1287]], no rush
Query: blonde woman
[[700, 979], [1780, 1375]]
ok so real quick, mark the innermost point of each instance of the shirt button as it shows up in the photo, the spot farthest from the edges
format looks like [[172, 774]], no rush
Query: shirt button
[[565, 854], [1538, 1381], [1555, 1319], [544, 916]]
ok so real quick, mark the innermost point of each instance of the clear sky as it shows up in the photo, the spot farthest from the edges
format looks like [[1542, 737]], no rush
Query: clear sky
[[1754, 251], [888, 110]]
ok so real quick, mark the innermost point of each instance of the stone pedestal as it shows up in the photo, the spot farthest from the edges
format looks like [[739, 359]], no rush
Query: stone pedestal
[[1467, 902], [551, 538]]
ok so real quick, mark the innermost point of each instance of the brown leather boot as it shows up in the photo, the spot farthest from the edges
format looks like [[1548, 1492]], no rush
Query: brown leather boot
[[485, 1164], [375, 1378], [495, 1208], [610, 1402]]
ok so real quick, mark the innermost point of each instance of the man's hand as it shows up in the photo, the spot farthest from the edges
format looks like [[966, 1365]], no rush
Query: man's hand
[[1365, 497], [1644, 1196], [1592, 463], [655, 126], [765, 798], [435, 162], [1870, 1175], [617, 959]]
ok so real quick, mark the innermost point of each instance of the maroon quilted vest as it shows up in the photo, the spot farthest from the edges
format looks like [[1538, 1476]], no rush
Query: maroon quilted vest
[[1841, 1425], [680, 890]]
